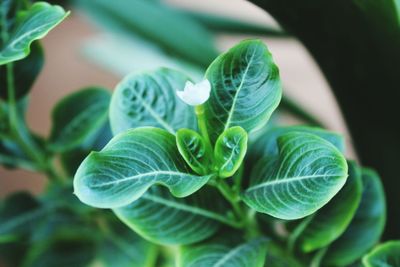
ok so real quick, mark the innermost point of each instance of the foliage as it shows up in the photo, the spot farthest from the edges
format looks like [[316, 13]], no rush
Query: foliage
[[164, 182]]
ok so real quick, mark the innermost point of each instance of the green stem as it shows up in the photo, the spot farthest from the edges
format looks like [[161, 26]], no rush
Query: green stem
[[201, 120], [21, 133], [233, 198]]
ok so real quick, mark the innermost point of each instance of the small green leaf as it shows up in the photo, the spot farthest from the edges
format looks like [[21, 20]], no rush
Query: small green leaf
[[163, 219], [193, 149], [220, 253], [305, 176], [366, 227], [246, 89], [32, 25], [129, 164], [328, 223], [384, 255], [229, 151], [150, 99], [28, 68], [78, 118]]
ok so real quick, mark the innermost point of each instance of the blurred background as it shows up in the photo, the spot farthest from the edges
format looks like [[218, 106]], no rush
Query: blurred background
[[80, 53]]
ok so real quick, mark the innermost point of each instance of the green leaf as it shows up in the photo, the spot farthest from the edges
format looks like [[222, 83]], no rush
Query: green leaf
[[278, 257], [19, 215], [129, 164], [328, 223], [163, 219], [384, 255], [121, 247], [71, 159], [366, 227], [229, 151], [267, 145], [32, 25], [149, 99], [66, 250], [28, 68], [246, 88], [78, 118], [305, 176], [193, 149], [222, 253], [179, 35]]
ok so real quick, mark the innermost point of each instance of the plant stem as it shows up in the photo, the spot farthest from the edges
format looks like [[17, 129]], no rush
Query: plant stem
[[201, 121], [21, 133]]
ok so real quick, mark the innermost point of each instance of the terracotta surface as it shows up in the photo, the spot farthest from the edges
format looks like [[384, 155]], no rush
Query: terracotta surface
[[66, 71]]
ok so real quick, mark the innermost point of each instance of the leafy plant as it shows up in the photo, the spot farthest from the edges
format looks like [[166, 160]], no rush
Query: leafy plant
[[199, 177]]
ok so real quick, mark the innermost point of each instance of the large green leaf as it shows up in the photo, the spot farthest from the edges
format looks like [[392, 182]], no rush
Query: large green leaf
[[218, 253], [193, 149], [129, 164], [149, 99], [230, 149], [246, 88], [28, 68], [366, 227], [78, 118], [179, 35], [163, 219], [305, 175], [32, 25], [266, 144], [384, 255], [328, 223]]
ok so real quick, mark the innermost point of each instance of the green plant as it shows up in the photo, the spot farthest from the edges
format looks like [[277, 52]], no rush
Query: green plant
[[212, 183]]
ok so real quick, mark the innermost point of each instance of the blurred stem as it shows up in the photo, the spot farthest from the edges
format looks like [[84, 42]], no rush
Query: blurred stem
[[316, 260], [201, 120], [21, 134]]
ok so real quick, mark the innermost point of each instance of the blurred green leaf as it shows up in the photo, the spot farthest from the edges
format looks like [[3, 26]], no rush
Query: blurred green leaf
[[164, 219], [226, 24], [32, 25], [78, 118], [246, 88], [184, 36], [366, 227], [19, 215], [131, 163], [384, 255], [282, 187], [150, 99]]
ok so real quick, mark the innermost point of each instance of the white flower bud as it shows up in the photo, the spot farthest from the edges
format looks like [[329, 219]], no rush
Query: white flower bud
[[195, 94]]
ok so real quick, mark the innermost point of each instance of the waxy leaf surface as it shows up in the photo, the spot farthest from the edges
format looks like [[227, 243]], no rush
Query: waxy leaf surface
[[32, 25], [229, 151], [164, 219], [245, 88], [305, 175], [150, 99], [131, 163]]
